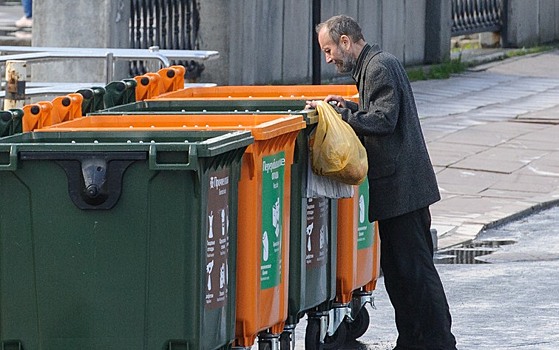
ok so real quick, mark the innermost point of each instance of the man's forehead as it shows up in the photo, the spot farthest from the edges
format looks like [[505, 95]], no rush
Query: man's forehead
[[324, 37]]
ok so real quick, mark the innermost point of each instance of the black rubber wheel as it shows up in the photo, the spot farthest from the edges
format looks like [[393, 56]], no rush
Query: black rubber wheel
[[337, 339], [285, 341], [264, 346], [359, 325], [312, 334]]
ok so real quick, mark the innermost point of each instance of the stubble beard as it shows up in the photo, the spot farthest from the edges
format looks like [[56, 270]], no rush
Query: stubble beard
[[346, 64]]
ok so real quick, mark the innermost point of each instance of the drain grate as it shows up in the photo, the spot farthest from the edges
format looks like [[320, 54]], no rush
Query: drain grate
[[470, 252]]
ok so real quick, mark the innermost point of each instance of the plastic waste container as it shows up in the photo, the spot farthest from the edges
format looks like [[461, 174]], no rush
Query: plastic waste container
[[10, 122], [264, 206], [119, 240], [310, 285], [210, 106], [264, 92], [312, 253], [358, 269]]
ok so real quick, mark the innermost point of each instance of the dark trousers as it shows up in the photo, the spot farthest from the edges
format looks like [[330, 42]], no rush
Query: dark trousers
[[413, 284]]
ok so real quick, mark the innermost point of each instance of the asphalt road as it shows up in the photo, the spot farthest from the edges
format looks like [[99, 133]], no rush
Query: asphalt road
[[509, 302]]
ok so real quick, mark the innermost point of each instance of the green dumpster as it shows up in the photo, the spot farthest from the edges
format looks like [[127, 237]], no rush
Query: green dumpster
[[312, 252], [119, 240], [208, 106], [10, 122]]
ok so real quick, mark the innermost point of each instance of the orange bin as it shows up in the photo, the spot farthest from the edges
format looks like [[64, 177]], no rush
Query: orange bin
[[358, 256], [263, 205], [264, 92]]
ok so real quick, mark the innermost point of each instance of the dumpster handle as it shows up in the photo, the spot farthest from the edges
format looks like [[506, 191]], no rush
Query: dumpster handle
[[95, 179], [155, 150], [12, 163]]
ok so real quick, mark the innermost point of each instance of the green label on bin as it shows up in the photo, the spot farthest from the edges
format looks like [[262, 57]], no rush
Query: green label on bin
[[365, 230], [273, 169], [217, 237], [317, 231]]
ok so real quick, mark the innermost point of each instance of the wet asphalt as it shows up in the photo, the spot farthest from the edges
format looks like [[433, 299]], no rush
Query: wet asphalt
[[508, 302]]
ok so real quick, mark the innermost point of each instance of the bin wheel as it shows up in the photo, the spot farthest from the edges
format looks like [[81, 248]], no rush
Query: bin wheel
[[285, 341], [334, 341], [359, 325], [264, 346]]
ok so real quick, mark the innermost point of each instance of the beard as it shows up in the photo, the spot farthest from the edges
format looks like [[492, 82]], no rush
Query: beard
[[346, 63]]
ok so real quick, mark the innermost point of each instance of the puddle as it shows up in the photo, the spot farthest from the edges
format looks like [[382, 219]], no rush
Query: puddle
[[469, 253], [530, 238]]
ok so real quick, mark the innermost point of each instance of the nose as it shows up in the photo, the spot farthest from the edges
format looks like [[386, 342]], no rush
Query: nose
[[328, 58]]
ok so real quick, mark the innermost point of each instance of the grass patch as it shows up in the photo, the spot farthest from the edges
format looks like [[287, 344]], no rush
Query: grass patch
[[530, 50], [454, 66], [437, 71]]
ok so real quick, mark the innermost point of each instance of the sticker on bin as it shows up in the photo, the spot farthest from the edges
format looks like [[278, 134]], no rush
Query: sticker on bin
[[273, 170], [317, 231], [365, 230], [217, 248]]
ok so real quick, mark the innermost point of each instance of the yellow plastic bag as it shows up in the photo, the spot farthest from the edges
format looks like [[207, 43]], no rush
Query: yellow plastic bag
[[337, 152]]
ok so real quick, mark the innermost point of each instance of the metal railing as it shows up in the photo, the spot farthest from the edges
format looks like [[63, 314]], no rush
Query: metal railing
[[167, 24], [32, 54], [164, 58], [476, 16]]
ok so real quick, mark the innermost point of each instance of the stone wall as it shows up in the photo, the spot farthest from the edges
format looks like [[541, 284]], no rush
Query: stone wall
[[531, 23], [268, 42]]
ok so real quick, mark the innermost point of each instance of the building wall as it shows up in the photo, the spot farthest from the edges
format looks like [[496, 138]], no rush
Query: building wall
[[531, 22], [63, 23], [270, 41]]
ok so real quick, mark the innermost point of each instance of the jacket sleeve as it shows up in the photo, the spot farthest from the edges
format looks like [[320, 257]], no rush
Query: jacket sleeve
[[382, 96]]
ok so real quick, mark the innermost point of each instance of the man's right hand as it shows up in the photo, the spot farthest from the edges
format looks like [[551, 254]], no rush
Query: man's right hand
[[335, 100]]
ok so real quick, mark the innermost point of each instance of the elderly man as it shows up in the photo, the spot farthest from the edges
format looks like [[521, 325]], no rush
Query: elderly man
[[401, 180]]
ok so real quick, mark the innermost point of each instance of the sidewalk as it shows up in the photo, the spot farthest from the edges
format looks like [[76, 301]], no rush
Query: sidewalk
[[493, 136], [9, 34]]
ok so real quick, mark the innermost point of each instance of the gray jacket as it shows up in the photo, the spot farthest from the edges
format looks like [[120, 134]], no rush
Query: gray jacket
[[401, 177]]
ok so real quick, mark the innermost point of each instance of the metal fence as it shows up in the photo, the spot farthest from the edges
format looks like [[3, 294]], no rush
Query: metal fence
[[476, 16], [167, 24]]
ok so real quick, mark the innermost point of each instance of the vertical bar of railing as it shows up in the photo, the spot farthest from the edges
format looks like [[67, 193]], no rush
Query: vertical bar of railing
[[169, 41], [176, 25], [131, 67], [150, 25], [169, 24], [144, 24], [189, 12], [157, 12], [163, 23]]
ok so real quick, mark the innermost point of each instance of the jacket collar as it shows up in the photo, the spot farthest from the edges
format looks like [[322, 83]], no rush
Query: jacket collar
[[367, 53]]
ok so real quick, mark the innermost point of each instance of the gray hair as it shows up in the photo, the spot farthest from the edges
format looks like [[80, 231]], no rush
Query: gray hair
[[341, 25]]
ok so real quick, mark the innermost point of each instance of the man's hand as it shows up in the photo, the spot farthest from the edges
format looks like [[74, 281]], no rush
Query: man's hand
[[311, 104], [334, 100]]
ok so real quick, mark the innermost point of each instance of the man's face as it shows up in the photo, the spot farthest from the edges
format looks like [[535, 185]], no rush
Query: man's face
[[335, 52]]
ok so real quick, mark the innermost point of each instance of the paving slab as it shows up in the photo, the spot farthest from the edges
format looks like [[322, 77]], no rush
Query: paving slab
[[470, 136], [533, 66], [526, 183], [473, 182], [496, 151]]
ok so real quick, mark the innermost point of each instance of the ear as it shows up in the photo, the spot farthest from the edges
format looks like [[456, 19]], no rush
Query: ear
[[345, 41]]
